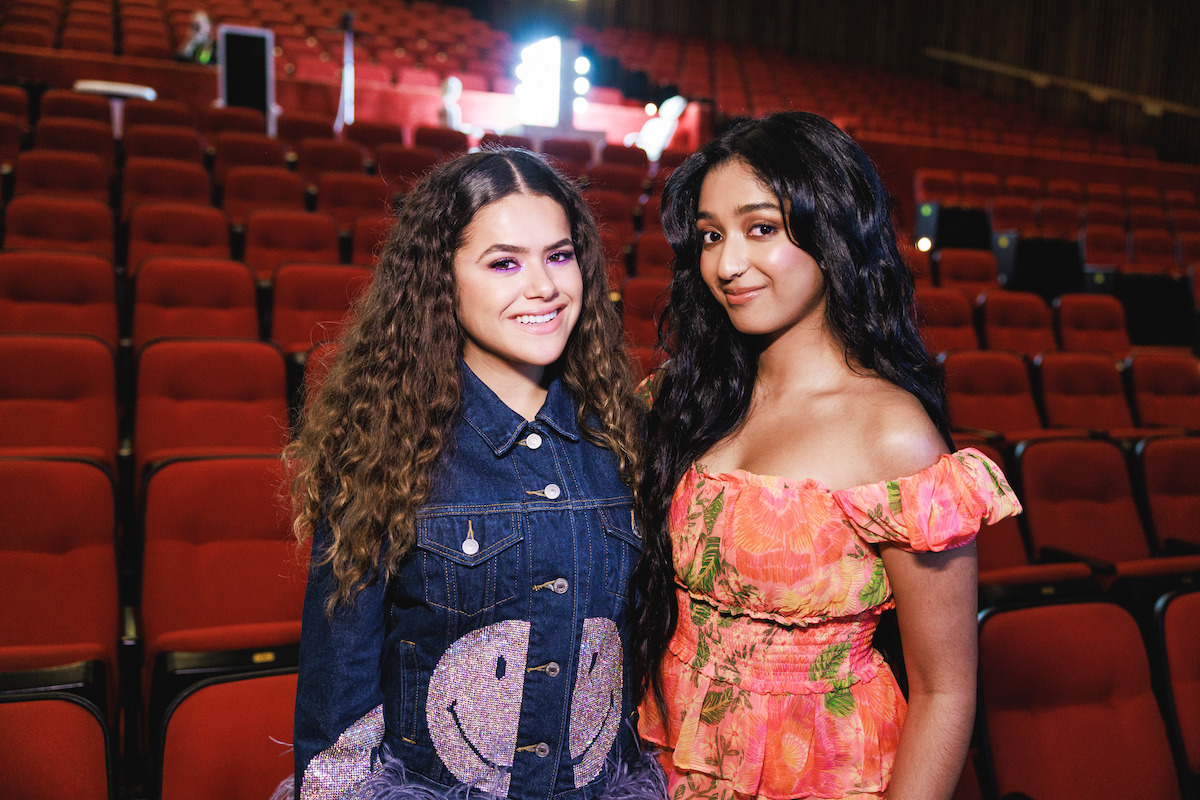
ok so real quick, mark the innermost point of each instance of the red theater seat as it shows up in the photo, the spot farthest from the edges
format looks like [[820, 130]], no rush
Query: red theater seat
[[1063, 689]]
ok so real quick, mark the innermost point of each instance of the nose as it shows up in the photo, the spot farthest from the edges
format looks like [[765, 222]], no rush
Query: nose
[[539, 282], [730, 260]]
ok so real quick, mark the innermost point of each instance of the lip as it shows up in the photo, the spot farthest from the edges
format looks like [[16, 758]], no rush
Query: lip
[[550, 326], [741, 295]]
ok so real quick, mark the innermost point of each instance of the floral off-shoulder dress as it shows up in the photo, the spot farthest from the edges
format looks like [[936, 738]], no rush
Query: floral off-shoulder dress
[[773, 688]]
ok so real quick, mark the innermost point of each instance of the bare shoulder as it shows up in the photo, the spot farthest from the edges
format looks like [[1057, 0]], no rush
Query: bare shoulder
[[901, 438]]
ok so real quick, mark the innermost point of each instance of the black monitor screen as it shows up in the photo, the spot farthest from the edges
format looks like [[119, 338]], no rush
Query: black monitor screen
[[247, 67]]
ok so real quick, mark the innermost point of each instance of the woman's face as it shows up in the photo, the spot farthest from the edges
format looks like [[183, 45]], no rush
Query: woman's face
[[765, 283], [520, 289]]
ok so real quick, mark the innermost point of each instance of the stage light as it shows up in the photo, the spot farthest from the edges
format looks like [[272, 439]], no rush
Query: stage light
[[539, 87], [582, 86], [924, 244], [579, 105], [651, 109], [582, 66]]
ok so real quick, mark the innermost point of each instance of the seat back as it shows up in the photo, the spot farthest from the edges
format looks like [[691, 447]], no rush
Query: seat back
[[1092, 322], [643, 300], [401, 167], [1172, 485], [1179, 619], [1105, 245], [163, 141], [243, 149], [226, 738], [43, 732], [1078, 497], [176, 229], [1083, 390], [936, 186], [653, 256], [311, 302], [46, 292], [1058, 217], [208, 396], [369, 236], [58, 396], [625, 179], [1018, 321], [989, 390], [973, 271], [347, 196], [58, 565], [945, 319], [61, 173], [220, 562], [252, 188], [181, 296], [1063, 688], [315, 157], [446, 141], [77, 136], [1166, 389], [277, 237], [162, 180], [43, 222]]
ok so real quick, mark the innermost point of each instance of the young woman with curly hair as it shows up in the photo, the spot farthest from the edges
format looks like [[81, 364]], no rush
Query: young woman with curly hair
[[464, 477], [799, 480]]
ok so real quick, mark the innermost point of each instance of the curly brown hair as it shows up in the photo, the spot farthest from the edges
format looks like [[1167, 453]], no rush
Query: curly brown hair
[[364, 458]]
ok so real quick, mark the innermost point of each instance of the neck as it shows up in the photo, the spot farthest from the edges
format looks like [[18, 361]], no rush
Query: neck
[[803, 358], [522, 390]]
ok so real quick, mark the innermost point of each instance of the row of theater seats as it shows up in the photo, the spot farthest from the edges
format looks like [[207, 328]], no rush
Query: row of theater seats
[[305, 167], [391, 37], [174, 297], [1132, 229], [756, 81], [221, 594], [999, 319], [1138, 533], [221, 739]]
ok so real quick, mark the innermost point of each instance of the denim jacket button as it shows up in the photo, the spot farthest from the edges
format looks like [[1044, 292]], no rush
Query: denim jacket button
[[533, 441], [541, 749], [552, 491], [560, 586], [553, 669]]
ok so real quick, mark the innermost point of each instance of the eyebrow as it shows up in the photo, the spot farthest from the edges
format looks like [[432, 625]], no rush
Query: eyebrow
[[512, 248], [748, 208]]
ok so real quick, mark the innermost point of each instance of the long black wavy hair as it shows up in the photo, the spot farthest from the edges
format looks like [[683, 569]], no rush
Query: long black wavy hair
[[837, 210]]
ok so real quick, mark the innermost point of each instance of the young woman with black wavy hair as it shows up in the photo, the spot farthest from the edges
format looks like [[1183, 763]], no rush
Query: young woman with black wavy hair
[[799, 480], [464, 478]]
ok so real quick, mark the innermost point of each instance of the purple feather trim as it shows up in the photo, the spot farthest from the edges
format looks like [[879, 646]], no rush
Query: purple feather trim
[[285, 790], [642, 779]]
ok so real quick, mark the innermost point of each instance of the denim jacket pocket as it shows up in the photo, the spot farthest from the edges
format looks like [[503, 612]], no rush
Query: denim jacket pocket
[[470, 562], [622, 544]]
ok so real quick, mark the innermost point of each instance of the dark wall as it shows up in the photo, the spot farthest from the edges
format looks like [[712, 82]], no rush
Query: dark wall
[[1150, 48]]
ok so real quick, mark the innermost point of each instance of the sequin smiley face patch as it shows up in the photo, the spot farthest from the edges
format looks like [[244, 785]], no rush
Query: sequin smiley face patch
[[596, 703], [475, 693], [474, 704]]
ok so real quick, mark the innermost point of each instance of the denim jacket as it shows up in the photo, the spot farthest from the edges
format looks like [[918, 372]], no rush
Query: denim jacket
[[497, 656]]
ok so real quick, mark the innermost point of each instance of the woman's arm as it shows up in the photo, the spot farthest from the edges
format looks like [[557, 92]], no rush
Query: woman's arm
[[338, 723], [936, 604]]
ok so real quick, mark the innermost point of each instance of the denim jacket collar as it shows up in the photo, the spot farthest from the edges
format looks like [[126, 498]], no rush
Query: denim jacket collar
[[500, 426]]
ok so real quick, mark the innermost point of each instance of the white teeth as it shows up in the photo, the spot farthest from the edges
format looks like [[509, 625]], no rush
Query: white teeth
[[532, 319]]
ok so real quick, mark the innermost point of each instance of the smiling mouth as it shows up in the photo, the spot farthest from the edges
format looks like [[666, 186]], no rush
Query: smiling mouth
[[739, 296], [537, 319]]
